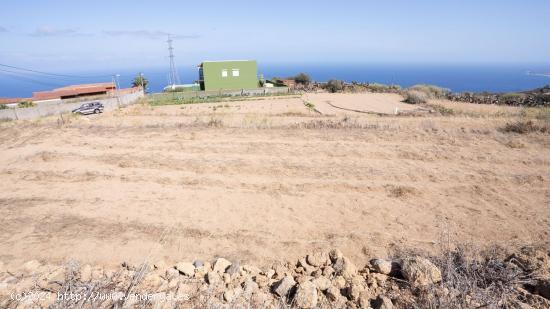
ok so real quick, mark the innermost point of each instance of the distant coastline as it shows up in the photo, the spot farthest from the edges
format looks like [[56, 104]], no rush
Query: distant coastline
[[471, 78]]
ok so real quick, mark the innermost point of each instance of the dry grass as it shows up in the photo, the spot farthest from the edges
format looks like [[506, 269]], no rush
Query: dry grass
[[525, 127]]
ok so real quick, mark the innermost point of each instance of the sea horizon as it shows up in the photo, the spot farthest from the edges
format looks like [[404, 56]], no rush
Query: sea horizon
[[473, 77]]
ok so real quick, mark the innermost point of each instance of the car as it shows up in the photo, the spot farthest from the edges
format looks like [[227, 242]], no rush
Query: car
[[90, 108]]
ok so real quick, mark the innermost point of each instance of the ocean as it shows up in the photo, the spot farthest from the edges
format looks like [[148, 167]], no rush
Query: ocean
[[458, 78]]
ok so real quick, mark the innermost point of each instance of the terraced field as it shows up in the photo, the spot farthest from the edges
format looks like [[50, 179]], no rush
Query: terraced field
[[265, 180]]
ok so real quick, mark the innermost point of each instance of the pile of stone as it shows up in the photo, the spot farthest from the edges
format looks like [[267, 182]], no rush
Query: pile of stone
[[318, 280], [527, 99]]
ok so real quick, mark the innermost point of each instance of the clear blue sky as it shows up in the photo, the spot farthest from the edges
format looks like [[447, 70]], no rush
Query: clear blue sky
[[77, 35]]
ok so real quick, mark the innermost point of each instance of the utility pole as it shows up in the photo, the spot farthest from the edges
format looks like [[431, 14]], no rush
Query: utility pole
[[142, 82], [174, 79]]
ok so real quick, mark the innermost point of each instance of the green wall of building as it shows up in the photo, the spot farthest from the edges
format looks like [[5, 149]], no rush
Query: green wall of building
[[212, 76]]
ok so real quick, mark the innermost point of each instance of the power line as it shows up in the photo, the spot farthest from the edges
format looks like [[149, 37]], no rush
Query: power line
[[28, 79], [52, 74]]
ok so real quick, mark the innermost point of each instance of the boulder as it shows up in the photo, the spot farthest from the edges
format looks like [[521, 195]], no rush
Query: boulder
[[335, 255], [198, 263], [344, 268], [381, 266], [317, 259], [232, 294], [233, 268], [322, 283], [220, 265], [306, 295], [250, 287], [171, 273], [185, 268], [333, 293], [420, 271], [543, 287], [252, 270], [328, 271], [283, 286], [382, 302], [308, 269], [213, 278]]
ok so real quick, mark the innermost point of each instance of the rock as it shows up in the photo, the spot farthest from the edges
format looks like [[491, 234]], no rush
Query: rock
[[308, 269], [198, 263], [31, 267], [172, 273], [344, 268], [317, 273], [152, 280], [335, 255], [306, 295], [354, 290], [543, 287], [382, 302], [328, 271], [420, 271], [220, 265], [333, 293], [283, 286], [381, 266], [226, 278], [232, 294], [252, 270], [262, 281], [270, 273], [340, 282], [233, 268], [281, 271], [250, 287], [213, 278], [86, 273], [364, 300], [322, 283], [317, 259], [185, 268]]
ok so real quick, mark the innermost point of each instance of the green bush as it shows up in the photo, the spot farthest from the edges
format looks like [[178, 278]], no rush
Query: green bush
[[512, 97], [25, 104], [3, 106], [334, 86]]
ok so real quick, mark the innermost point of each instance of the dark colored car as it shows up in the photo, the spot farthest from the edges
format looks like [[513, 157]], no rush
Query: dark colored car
[[90, 108]]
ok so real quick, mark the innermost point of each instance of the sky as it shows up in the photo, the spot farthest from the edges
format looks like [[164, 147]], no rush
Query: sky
[[99, 35]]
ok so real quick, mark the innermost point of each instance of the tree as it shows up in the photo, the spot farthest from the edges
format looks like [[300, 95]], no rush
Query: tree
[[303, 79], [335, 85], [140, 81]]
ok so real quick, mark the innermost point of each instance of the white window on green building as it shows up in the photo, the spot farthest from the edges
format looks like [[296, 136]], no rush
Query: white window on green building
[[236, 73], [224, 73]]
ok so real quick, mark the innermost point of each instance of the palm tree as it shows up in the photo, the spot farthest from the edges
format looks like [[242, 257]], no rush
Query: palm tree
[[140, 81]]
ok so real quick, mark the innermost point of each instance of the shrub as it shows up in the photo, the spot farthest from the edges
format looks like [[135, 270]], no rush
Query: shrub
[[512, 98], [524, 127], [3, 106], [334, 86], [433, 92], [415, 97], [303, 79], [25, 104]]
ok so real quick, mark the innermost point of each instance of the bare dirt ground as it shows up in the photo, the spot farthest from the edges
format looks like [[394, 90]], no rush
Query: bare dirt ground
[[251, 181]]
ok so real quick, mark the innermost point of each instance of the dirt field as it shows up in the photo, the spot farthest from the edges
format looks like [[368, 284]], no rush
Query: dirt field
[[268, 179]]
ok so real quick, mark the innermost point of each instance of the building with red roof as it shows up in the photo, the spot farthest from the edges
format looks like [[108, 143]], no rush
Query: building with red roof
[[74, 91]]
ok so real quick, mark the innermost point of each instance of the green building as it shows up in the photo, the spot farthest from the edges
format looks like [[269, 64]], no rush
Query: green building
[[228, 75]]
